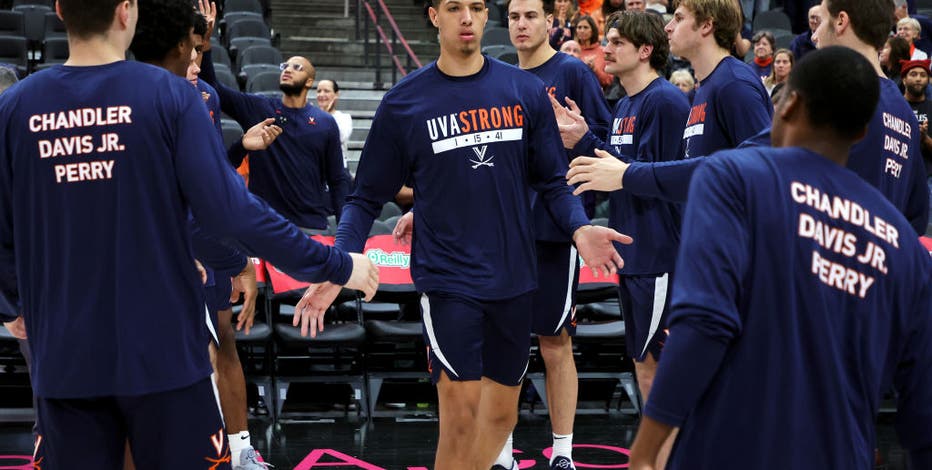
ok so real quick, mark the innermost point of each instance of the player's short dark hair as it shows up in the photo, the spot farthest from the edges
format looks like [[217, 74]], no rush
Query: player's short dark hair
[[162, 25], [840, 89], [641, 27], [547, 5], [725, 15], [87, 18], [871, 20]]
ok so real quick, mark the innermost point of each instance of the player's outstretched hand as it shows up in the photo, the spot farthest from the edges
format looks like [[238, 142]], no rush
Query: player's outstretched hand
[[603, 172], [403, 229], [17, 327], [209, 10], [570, 121], [245, 283], [595, 246], [260, 136], [310, 310]]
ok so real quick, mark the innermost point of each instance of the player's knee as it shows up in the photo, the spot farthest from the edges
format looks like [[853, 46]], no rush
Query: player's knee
[[556, 349], [461, 422], [503, 418]]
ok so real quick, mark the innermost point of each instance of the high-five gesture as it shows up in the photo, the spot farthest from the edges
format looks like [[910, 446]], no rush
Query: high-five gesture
[[570, 120], [310, 310], [603, 172], [595, 246]]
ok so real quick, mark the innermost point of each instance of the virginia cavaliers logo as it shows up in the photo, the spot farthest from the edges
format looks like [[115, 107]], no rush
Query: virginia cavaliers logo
[[223, 451], [480, 157], [312, 121]]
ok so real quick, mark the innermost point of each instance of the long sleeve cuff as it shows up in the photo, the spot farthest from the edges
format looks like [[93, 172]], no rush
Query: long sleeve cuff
[[587, 145], [690, 360]]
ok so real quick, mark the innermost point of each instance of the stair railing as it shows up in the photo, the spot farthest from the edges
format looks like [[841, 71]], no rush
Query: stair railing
[[370, 18]]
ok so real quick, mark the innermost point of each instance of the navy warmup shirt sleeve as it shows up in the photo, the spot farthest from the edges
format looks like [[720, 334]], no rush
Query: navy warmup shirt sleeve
[[670, 180]]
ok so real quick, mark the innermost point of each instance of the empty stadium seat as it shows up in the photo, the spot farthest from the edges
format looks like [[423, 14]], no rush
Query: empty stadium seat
[[265, 81], [14, 51], [11, 23]]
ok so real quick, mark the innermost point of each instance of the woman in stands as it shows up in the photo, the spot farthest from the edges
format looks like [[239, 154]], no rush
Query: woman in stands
[[562, 28], [328, 93], [591, 49], [763, 54], [782, 64], [894, 50]]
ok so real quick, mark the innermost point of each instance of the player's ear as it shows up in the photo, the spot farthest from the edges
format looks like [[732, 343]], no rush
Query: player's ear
[[790, 104], [432, 13]]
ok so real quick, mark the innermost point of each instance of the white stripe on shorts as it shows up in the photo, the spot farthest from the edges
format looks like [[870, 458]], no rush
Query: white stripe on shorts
[[213, 384], [210, 325], [660, 299], [431, 336], [568, 303]]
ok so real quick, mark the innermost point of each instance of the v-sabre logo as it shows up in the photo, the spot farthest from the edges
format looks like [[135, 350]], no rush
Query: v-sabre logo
[[476, 127], [480, 155]]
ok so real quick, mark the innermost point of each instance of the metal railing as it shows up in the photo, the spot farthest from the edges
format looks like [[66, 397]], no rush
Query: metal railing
[[369, 17]]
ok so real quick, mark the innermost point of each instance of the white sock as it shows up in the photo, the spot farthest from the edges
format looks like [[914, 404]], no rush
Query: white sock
[[238, 443], [506, 457], [562, 445]]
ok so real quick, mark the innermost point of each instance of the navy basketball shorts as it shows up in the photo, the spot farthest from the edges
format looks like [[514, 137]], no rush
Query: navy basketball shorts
[[645, 301], [179, 428], [470, 339], [554, 304]]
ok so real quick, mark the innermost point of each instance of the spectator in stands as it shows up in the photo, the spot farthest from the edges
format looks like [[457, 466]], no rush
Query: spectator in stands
[[328, 94], [802, 44], [895, 50], [7, 78], [608, 7], [763, 53], [684, 80], [635, 5], [916, 82], [909, 29], [782, 65], [571, 47], [301, 175], [591, 49], [562, 28]]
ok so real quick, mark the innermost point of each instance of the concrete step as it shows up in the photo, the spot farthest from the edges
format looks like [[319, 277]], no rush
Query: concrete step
[[350, 47]]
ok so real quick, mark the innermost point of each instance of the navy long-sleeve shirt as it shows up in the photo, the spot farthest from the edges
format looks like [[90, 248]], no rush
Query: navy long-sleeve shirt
[[564, 75], [646, 127], [96, 184], [820, 297], [889, 158], [731, 106], [301, 174], [472, 146]]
